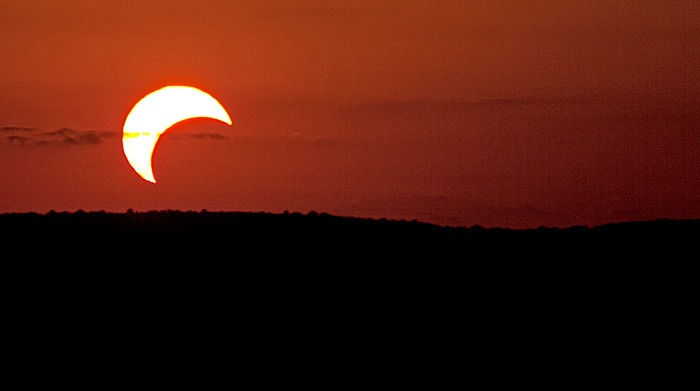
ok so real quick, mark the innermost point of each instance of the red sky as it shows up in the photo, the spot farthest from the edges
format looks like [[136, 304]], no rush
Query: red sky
[[497, 113]]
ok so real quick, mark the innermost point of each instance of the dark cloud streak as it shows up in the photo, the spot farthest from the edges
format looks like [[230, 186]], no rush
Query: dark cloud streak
[[16, 129], [66, 136], [17, 139], [17, 135], [201, 136]]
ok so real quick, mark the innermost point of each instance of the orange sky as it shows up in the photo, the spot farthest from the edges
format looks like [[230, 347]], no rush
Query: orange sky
[[498, 113]]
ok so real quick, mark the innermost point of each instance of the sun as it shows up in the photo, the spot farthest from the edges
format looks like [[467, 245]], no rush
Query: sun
[[158, 111]]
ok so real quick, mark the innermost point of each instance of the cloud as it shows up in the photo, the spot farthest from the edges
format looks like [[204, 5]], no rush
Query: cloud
[[29, 136], [13, 129], [89, 138], [200, 136], [212, 136], [74, 137], [17, 135], [17, 139], [63, 132]]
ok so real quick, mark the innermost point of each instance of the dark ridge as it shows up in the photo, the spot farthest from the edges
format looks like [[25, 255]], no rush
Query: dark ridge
[[293, 282], [320, 234]]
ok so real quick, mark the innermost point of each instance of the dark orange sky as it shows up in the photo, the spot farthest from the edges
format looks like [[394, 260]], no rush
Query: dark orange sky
[[498, 113]]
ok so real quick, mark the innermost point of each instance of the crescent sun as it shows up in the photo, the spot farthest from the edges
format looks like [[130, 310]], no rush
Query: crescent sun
[[157, 112]]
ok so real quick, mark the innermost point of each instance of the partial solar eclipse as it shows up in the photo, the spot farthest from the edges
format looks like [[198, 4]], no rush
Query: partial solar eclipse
[[157, 112]]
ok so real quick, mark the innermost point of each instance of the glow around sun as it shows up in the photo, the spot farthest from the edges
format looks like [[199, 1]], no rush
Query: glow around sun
[[157, 112]]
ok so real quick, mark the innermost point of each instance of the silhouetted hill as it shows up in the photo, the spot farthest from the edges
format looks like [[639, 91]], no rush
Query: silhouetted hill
[[394, 294], [323, 236]]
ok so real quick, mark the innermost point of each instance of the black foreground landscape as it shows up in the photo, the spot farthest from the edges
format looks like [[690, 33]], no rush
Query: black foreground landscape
[[375, 293], [221, 235]]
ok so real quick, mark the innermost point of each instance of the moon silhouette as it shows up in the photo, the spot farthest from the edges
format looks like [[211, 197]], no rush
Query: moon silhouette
[[157, 112]]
